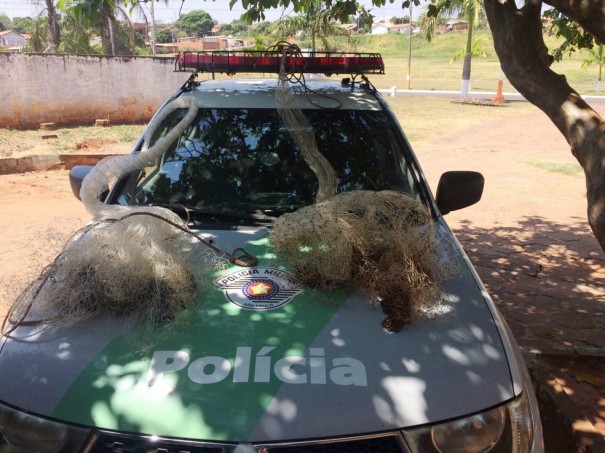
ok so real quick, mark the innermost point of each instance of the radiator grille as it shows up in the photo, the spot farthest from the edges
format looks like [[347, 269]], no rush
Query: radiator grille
[[107, 442]]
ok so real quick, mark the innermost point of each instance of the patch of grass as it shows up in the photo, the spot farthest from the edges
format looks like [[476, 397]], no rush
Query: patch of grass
[[558, 167], [114, 139], [425, 118], [128, 134], [431, 70]]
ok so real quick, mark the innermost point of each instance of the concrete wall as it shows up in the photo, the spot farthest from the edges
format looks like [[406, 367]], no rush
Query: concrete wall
[[77, 90]]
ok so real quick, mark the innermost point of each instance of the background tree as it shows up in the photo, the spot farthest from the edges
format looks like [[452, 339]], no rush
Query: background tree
[[100, 14], [195, 23], [39, 36], [263, 28], [364, 23], [519, 43], [110, 18], [596, 57], [400, 20], [23, 24], [289, 26], [44, 30], [5, 22], [428, 23], [312, 20], [75, 38], [472, 11], [234, 28], [53, 18], [164, 35], [477, 50]]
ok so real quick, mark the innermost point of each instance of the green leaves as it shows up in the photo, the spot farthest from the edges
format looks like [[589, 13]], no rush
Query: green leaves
[[477, 50], [574, 36], [197, 22], [434, 10]]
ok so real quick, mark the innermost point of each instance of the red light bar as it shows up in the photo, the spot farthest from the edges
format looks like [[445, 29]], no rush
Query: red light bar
[[231, 62]]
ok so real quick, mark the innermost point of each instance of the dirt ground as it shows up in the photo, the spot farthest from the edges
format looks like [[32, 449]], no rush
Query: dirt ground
[[527, 237]]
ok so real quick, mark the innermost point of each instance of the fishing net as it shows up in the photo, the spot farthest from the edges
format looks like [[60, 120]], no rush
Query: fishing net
[[380, 243], [302, 132], [130, 260]]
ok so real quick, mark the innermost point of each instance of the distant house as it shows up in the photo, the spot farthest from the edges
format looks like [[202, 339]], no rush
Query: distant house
[[382, 28], [351, 28], [12, 40], [209, 43], [400, 28], [165, 48], [456, 25]]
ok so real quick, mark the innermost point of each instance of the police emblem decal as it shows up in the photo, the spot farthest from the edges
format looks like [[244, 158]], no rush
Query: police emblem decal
[[259, 288]]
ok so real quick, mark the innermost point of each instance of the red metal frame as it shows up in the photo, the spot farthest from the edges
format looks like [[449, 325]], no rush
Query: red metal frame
[[230, 62]]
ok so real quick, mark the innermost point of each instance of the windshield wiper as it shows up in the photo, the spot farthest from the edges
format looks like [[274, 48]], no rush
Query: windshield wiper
[[199, 217]]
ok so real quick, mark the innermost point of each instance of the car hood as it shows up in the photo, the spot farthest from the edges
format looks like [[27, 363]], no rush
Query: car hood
[[262, 359]]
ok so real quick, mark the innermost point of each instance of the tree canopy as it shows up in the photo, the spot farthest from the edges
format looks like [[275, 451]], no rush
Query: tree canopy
[[472, 11], [314, 22], [596, 57], [5, 21], [235, 27], [198, 23], [163, 36], [23, 24]]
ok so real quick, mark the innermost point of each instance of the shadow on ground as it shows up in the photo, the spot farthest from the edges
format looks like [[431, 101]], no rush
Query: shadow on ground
[[547, 278]]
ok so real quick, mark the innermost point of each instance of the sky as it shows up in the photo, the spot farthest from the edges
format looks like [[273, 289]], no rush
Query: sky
[[218, 9]]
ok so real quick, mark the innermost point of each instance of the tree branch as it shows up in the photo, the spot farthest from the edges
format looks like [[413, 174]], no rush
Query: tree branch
[[590, 14]]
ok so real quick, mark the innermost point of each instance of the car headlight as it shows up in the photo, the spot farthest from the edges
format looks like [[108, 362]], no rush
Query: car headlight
[[21, 432], [508, 428]]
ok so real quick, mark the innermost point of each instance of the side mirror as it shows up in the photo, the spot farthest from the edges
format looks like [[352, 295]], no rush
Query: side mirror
[[459, 189], [76, 176]]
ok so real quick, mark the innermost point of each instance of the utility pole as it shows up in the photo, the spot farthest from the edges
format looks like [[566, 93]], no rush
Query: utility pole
[[152, 34], [410, 49]]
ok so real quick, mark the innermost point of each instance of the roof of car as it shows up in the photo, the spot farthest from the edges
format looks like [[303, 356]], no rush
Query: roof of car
[[261, 93]]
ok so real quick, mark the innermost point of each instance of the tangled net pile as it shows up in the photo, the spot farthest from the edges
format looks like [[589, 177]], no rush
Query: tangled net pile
[[381, 243], [130, 260]]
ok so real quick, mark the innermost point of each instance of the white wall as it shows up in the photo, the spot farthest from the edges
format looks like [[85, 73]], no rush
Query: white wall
[[379, 29], [76, 90]]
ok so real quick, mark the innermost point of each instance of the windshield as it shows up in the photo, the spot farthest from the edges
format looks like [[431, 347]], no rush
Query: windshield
[[245, 160]]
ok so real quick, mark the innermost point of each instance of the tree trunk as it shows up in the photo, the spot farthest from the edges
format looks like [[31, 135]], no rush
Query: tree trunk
[[53, 23], [112, 36], [466, 67], [519, 43], [107, 30]]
